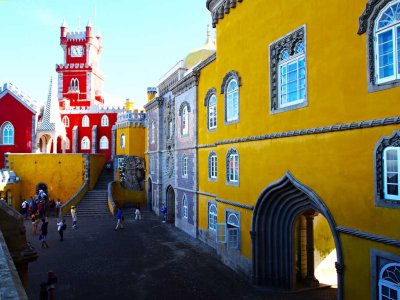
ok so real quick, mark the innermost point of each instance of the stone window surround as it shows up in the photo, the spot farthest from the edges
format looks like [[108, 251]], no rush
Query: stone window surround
[[224, 86], [210, 93], [181, 107], [185, 156], [367, 25], [209, 203], [391, 141], [7, 124], [237, 214], [184, 199], [289, 43], [209, 166], [228, 154]]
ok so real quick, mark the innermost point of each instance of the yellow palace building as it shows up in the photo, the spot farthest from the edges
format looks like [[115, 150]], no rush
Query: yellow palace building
[[298, 143]]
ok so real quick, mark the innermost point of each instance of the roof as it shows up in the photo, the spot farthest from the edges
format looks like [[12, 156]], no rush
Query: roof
[[24, 99]]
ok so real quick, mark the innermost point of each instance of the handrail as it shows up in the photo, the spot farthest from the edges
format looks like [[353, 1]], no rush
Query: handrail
[[11, 285], [74, 200], [111, 203]]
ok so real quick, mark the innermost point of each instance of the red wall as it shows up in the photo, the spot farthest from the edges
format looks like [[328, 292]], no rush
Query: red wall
[[94, 119], [20, 117]]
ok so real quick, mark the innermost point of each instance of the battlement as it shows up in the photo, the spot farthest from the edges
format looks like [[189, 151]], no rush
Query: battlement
[[76, 36], [77, 66], [93, 110], [22, 96]]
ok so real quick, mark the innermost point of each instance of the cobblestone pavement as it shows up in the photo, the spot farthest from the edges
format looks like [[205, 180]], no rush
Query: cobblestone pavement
[[146, 260]]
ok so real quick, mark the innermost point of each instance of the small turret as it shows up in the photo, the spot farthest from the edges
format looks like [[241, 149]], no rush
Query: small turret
[[63, 33], [151, 93], [89, 30], [128, 104]]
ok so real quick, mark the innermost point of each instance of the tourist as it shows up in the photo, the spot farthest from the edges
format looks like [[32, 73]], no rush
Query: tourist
[[58, 207], [51, 285], [43, 233], [163, 212], [41, 209], [138, 215], [61, 226], [35, 222], [120, 219], [52, 206], [74, 214], [24, 207]]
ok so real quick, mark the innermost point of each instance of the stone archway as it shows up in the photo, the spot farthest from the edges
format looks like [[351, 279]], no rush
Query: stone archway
[[277, 209], [170, 204], [149, 194], [45, 144]]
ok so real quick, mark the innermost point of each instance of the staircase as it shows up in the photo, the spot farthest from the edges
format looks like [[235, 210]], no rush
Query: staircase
[[94, 203]]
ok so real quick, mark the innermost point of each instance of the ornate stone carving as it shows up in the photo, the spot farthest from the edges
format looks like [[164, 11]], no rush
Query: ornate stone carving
[[210, 92], [170, 163], [219, 8], [169, 123], [133, 168], [183, 104], [230, 75]]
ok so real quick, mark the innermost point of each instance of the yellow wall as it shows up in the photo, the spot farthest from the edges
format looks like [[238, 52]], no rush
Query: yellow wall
[[134, 141], [338, 166], [97, 162], [123, 196], [14, 196]]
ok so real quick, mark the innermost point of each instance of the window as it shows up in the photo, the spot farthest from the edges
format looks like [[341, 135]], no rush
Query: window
[[170, 129], [288, 72], [153, 133], [230, 88], [232, 166], [212, 166], [184, 166], [152, 165], [122, 141], [85, 121], [232, 101], [65, 121], [67, 144], [185, 207], [85, 143], [74, 85], [104, 142], [387, 169], [104, 121], [387, 43], [389, 282], [212, 112], [212, 216], [233, 227], [185, 121], [8, 133]]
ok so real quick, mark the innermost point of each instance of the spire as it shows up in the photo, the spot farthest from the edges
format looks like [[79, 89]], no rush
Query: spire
[[209, 44], [64, 24], [89, 24]]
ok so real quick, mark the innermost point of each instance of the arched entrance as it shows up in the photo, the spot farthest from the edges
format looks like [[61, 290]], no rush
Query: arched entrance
[[42, 186], [170, 204], [282, 208], [45, 144], [149, 194]]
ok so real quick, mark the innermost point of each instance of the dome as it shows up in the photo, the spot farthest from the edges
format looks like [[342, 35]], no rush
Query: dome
[[200, 54]]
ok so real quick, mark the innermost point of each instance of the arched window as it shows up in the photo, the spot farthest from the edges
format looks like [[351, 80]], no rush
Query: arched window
[[185, 207], [212, 216], [212, 166], [85, 121], [8, 133], [389, 282], [85, 143], [232, 166], [104, 142], [232, 101], [387, 45], [104, 121], [122, 141], [391, 160], [185, 121], [212, 112], [65, 121], [232, 228], [67, 144], [184, 166], [74, 85]]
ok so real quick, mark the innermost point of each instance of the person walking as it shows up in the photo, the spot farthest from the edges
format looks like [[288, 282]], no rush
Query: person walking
[[24, 207], [58, 207], [120, 220], [74, 214], [164, 212], [35, 222], [138, 215], [61, 226], [43, 232], [51, 284]]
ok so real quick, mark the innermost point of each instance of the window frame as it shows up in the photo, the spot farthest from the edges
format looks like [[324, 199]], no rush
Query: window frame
[[232, 153], [185, 121], [185, 207], [85, 121], [66, 121], [232, 104], [288, 43], [212, 166], [233, 230], [184, 166], [10, 137], [101, 143], [85, 140], [104, 121], [122, 140], [212, 216], [228, 79], [152, 133]]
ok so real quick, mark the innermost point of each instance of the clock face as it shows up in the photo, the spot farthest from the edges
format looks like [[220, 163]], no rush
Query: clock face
[[76, 51]]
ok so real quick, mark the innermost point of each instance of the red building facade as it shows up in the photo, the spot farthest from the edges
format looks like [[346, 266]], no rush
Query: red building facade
[[18, 117]]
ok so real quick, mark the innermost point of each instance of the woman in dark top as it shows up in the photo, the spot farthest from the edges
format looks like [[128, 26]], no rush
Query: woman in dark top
[[43, 232]]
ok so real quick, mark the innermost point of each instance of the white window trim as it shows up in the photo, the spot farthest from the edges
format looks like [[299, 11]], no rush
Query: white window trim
[[104, 121], [152, 133], [185, 166], [386, 283], [228, 94], [213, 167], [11, 136], [212, 127], [385, 183], [85, 121], [235, 157], [85, 143], [67, 144], [122, 142], [104, 140], [185, 119], [65, 121], [212, 216]]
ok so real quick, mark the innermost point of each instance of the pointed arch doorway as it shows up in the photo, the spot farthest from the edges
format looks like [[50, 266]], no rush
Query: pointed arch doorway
[[282, 209], [170, 205]]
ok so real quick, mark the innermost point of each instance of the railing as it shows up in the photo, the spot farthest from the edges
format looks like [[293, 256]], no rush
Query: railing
[[75, 199], [11, 285], [111, 203]]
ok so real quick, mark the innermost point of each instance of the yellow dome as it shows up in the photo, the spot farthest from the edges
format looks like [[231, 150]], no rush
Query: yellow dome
[[202, 53]]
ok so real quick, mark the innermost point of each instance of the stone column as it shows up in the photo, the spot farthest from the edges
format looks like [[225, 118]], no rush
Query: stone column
[[310, 279]]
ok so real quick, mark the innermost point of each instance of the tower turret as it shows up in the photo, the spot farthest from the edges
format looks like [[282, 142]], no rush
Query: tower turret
[[63, 33], [151, 93]]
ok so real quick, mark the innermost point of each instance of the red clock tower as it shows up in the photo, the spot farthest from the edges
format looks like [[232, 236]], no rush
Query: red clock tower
[[80, 81]]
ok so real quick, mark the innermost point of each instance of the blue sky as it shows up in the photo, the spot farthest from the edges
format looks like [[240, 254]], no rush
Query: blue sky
[[142, 40]]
